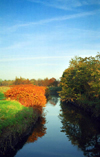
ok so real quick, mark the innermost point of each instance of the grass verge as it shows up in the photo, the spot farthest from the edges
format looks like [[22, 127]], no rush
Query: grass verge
[[12, 113]]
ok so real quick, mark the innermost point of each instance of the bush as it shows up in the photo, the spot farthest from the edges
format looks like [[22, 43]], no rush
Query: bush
[[27, 95]]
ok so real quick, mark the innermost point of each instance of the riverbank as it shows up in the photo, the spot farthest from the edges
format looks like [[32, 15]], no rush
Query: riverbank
[[92, 112], [16, 121]]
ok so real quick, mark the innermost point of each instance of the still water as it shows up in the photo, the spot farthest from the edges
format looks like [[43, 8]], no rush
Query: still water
[[62, 132]]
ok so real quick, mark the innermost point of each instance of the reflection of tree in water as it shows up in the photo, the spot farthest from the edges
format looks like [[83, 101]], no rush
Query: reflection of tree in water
[[53, 100], [81, 130], [39, 130], [7, 146]]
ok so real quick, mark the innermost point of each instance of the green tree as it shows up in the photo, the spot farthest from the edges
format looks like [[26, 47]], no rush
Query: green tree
[[80, 82]]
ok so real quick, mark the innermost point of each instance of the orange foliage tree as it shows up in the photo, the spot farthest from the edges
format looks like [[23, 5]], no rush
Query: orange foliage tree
[[27, 95]]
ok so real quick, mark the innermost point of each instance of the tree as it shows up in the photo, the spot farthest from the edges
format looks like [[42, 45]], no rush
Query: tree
[[21, 80], [0, 82], [80, 83]]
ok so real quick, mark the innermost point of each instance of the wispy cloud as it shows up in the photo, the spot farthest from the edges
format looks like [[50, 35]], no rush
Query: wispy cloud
[[54, 19], [66, 4], [33, 58], [47, 64]]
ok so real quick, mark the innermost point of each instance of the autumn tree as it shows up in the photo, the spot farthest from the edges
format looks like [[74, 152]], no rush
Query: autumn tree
[[21, 80], [45, 82]]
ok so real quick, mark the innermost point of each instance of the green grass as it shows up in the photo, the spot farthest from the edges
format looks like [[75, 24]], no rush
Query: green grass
[[12, 113], [2, 90], [2, 96]]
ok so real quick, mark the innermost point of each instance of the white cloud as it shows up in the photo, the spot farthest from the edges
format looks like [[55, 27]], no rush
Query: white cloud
[[77, 52], [46, 64]]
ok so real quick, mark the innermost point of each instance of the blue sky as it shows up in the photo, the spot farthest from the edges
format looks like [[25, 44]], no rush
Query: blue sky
[[39, 37]]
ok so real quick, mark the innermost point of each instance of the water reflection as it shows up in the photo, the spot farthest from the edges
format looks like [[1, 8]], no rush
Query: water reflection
[[9, 149], [53, 100], [39, 130], [81, 130]]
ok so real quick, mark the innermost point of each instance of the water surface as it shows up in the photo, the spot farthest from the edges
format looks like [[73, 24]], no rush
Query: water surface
[[63, 132]]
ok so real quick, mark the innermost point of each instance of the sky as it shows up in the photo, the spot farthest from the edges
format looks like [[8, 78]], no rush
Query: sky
[[38, 38]]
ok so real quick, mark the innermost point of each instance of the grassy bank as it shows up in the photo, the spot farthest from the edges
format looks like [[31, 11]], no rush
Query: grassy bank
[[16, 122], [13, 113]]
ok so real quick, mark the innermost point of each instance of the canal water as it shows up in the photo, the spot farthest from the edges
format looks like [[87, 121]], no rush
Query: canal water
[[62, 132]]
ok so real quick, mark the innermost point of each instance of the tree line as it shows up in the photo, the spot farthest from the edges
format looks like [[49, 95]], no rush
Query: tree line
[[38, 82]]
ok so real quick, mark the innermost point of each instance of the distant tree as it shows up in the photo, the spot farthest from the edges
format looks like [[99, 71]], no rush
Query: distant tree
[[45, 82], [7, 82], [32, 81], [21, 80], [0, 82]]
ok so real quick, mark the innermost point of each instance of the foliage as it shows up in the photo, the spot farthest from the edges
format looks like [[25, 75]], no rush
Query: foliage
[[0, 82], [38, 82], [2, 90], [81, 129], [6, 82], [47, 92], [27, 95], [54, 90], [12, 113], [45, 82], [21, 80], [80, 83]]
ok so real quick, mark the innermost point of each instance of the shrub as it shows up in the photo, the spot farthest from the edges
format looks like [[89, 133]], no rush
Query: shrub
[[27, 95]]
